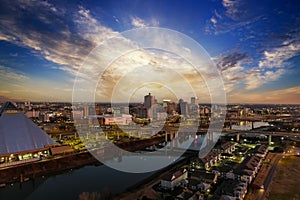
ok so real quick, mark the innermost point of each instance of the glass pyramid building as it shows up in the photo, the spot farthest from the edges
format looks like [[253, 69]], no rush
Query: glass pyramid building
[[18, 133]]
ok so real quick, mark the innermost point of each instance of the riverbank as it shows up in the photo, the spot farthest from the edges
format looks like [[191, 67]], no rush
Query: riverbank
[[53, 165], [60, 163], [144, 187]]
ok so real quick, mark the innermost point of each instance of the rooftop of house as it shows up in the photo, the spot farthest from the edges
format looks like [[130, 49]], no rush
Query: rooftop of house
[[174, 175], [228, 187], [210, 156], [260, 149], [249, 163], [203, 175]]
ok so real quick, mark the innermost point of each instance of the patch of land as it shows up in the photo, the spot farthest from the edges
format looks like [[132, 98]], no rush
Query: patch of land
[[285, 183]]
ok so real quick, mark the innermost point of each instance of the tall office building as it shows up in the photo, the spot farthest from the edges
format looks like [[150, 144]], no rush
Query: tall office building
[[149, 102], [194, 107], [182, 107], [86, 111], [194, 100]]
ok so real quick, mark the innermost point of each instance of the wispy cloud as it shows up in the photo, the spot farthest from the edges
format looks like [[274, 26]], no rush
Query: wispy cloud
[[236, 73], [291, 96], [274, 49], [233, 15], [258, 78], [66, 46], [9, 74], [276, 57], [140, 23], [230, 60]]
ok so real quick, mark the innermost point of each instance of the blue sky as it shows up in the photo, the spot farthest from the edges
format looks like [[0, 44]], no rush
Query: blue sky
[[255, 44]]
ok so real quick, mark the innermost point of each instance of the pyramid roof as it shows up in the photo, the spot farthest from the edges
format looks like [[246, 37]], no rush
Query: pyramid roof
[[18, 133], [8, 107]]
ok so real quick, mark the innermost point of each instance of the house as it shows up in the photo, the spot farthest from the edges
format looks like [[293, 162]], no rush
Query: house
[[260, 151], [194, 184], [210, 159], [232, 189], [227, 147], [203, 176], [248, 169], [189, 195], [171, 180]]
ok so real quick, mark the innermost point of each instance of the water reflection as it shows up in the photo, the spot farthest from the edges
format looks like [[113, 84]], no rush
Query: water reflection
[[247, 125], [101, 179]]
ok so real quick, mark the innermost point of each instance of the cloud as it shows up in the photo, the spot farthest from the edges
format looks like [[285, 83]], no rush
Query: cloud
[[233, 15], [230, 60], [237, 74], [255, 80], [30, 4], [140, 23], [252, 23], [291, 96], [213, 20], [231, 65], [276, 57], [67, 46], [90, 28], [9, 74]]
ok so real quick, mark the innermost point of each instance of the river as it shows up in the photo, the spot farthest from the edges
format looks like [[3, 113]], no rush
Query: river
[[246, 125], [101, 179]]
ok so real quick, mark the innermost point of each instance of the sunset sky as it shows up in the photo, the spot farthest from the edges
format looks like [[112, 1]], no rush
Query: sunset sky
[[255, 44]]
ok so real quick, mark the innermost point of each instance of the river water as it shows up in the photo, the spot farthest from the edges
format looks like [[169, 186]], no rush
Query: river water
[[101, 179], [246, 125]]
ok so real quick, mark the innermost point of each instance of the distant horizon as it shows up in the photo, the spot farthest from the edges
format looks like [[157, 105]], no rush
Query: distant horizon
[[255, 47], [98, 102]]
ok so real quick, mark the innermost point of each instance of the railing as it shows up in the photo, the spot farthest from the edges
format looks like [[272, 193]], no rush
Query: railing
[[19, 162]]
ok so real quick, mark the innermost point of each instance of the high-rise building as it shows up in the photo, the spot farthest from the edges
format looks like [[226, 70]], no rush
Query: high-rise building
[[149, 102], [194, 107], [194, 100], [85, 111], [182, 107]]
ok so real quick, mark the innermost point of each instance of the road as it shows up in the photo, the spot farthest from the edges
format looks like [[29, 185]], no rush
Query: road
[[262, 195]]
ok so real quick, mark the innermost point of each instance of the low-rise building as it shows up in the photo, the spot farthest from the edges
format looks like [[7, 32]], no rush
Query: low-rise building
[[248, 169], [204, 176], [260, 151], [227, 147], [232, 189], [206, 162], [171, 180]]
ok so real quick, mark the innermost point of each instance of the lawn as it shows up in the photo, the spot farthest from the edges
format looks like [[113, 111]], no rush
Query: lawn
[[285, 184]]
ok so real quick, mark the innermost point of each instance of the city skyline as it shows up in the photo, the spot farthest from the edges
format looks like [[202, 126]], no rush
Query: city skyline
[[255, 45]]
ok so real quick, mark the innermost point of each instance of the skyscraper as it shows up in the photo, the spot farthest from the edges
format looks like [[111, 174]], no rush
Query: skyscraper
[[182, 107], [194, 100], [149, 102]]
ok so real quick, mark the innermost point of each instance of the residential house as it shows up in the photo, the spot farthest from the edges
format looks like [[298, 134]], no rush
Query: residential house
[[171, 180]]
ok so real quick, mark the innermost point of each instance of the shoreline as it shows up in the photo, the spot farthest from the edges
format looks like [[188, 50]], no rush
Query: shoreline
[[51, 166], [144, 186]]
